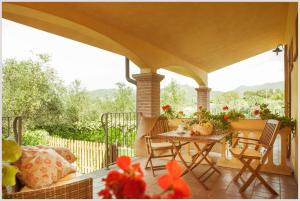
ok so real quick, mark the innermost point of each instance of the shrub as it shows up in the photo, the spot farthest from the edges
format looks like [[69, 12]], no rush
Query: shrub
[[36, 137]]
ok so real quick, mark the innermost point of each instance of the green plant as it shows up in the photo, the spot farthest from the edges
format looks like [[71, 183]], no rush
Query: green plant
[[170, 113], [35, 137], [265, 113], [11, 152], [220, 121]]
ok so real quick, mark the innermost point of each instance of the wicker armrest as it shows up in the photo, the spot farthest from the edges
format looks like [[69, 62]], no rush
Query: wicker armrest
[[77, 188]]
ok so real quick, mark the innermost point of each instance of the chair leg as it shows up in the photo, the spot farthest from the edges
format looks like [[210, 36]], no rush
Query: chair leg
[[241, 171], [151, 165], [266, 184], [255, 173], [174, 155], [148, 159], [248, 182]]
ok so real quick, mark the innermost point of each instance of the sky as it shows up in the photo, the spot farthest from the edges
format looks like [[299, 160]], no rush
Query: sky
[[99, 69]]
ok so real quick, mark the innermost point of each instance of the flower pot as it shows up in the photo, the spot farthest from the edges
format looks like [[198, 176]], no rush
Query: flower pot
[[201, 130]]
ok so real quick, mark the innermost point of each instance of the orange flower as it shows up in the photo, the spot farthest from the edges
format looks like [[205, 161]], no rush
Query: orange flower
[[172, 180], [129, 183], [226, 117], [123, 162]]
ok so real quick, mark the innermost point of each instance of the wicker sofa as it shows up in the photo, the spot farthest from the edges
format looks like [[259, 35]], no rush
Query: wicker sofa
[[77, 188]]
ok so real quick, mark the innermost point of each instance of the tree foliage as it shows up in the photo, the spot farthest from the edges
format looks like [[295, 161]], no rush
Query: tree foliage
[[32, 89], [173, 95]]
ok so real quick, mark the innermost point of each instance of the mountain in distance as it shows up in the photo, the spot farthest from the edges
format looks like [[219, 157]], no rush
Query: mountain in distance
[[190, 91], [272, 85], [101, 93]]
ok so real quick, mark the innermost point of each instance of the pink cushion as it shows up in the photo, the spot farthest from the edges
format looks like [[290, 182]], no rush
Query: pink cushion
[[40, 167], [64, 152]]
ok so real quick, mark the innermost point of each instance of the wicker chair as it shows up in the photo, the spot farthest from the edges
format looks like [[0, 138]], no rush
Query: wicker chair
[[154, 145], [259, 153]]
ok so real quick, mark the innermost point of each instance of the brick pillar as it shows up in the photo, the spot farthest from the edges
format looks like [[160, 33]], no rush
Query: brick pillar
[[148, 93], [203, 94]]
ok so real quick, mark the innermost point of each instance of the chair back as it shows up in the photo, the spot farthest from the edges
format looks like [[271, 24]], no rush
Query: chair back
[[161, 126], [269, 133]]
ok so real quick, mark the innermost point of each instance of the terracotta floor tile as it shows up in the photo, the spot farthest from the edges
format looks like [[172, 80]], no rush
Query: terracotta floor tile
[[268, 195], [234, 188], [290, 195], [222, 185]]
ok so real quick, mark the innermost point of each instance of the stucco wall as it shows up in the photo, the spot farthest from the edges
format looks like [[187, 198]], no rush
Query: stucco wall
[[289, 37]]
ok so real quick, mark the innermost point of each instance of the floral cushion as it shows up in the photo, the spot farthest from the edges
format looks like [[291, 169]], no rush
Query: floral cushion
[[64, 152], [40, 167]]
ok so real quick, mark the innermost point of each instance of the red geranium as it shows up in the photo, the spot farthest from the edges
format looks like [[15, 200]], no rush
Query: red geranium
[[226, 117], [256, 112], [225, 107], [129, 183], [166, 107], [172, 181], [134, 188]]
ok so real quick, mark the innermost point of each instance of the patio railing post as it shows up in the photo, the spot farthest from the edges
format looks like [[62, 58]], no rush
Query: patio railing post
[[106, 141]]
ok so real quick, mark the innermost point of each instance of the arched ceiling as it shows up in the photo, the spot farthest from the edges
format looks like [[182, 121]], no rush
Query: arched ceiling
[[192, 39]]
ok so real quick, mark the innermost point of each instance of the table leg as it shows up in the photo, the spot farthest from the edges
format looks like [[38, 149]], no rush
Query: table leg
[[186, 165]]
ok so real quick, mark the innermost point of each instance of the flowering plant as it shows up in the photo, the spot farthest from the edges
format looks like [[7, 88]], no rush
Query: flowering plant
[[129, 184], [262, 111], [170, 113], [220, 121]]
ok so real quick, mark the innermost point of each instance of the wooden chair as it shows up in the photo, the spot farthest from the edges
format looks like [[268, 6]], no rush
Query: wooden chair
[[154, 145], [258, 153]]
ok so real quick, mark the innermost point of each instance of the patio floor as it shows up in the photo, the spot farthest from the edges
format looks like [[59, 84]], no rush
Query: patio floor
[[221, 186]]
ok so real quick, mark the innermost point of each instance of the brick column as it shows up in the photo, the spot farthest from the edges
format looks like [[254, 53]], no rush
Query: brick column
[[148, 93], [203, 94]]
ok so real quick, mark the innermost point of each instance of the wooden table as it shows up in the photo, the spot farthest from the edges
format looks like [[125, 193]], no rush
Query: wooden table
[[202, 153]]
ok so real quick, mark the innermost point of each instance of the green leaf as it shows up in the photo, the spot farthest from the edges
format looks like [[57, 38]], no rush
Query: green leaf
[[9, 175], [11, 151]]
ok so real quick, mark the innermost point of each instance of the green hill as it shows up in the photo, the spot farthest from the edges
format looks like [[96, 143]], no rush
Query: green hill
[[190, 91]]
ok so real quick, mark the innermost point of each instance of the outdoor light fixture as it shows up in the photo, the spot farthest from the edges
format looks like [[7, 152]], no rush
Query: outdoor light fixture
[[277, 49]]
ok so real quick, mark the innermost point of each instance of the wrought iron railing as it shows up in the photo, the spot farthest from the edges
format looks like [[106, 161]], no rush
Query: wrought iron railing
[[12, 128], [120, 133]]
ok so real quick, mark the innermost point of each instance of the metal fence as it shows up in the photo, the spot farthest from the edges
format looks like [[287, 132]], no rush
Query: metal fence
[[120, 130], [12, 128]]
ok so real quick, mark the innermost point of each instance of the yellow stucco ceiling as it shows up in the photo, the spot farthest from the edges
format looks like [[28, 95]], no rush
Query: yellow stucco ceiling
[[188, 38]]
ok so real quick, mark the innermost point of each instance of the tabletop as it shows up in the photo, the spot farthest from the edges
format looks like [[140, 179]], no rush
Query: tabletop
[[187, 136]]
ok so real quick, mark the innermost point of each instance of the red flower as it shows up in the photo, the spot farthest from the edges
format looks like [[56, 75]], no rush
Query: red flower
[[129, 183], [115, 181], [225, 107], [137, 169], [166, 107], [172, 180], [134, 188], [105, 194], [123, 162], [226, 117], [256, 112]]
